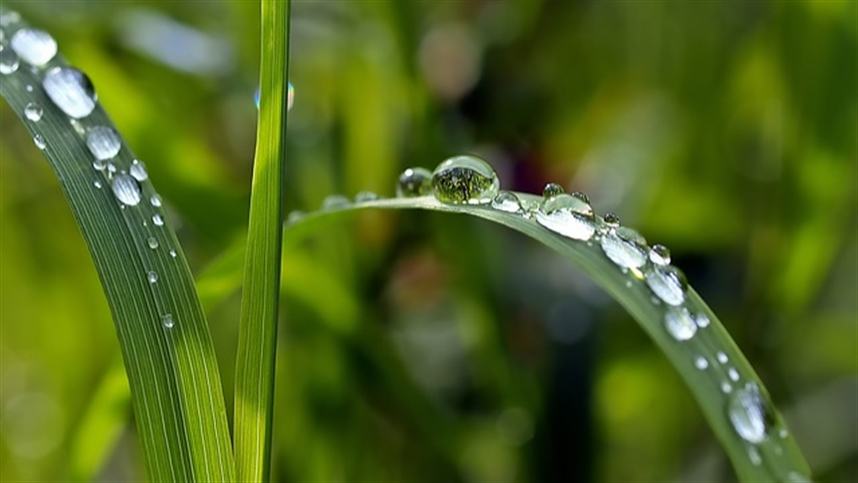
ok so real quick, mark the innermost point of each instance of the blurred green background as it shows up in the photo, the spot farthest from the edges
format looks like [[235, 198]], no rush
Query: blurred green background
[[422, 347]]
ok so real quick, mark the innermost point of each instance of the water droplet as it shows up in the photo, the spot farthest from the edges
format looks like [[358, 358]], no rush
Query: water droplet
[[702, 320], [111, 169], [750, 414], [796, 477], [465, 180], [36, 47], [71, 90], [126, 189], [40, 142], [726, 388], [173, 253], [152, 277], [414, 182], [33, 112], [157, 220], [783, 433], [335, 201], [567, 215], [701, 363], [29, 88], [507, 201], [8, 61], [668, 283], [733, 374], [152, 242], [167, 321], [754, 456], [78, 127], [155, 201], [294, 216], [551, 190], [625, 247], [103, 142], [659, 255], [364, 196], [722, 357], [9, 17], [99, 164], [138, 171], [612, 220], [679, 323], [97, 184]]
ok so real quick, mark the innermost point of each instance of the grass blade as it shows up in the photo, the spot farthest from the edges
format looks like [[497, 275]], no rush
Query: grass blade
[[175, 385], [257, 339]]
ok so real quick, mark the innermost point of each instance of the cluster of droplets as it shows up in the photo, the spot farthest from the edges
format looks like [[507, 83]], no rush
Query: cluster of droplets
[[71, 91]]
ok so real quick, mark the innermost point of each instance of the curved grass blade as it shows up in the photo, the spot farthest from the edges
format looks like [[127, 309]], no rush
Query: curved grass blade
[[166, 346], [715, 386], [257, 337]]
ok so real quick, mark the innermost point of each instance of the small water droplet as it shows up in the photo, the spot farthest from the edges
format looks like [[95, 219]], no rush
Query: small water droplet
[[78, 127], [679, 323], [796, 477], [625, 247], [294, 216], [701, 363], [551, 190], [157, 220], [612, 220], [465, 180], [726, 388], [126, 189], [750, 414], [36, 47], [365, 196], [9, 17], [155, 201], [99, 164], [8, 60], [173, 253], [167, 321], [152, 277], [783, 433], [507, 201], [103, 142], [667, 283], [733, 374], [659, 255], [97, 184], [71, 90], [29, 88], [722, 357], [33, 112], [702, 320], [754, 456], [111, 169], [414, 182], [628, 282], [138, 171], [567, 215], [40, 142], [152, 242], [335, 201]]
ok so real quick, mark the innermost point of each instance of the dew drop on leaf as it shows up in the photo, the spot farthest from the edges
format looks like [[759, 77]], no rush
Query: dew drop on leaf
[[167, 321], [138, 171], [507, 201], [152, 277], [667, 283], [722, 357], [465, 180], [40, 142], [364, 196], [71, 90], [551, 190], [625, 247], [33, 112], [126, 189], [659, 255], [36, 47], [679, 323], [8, 61], [103, 142], [157, 220], [701, 363], [152, 242], [567, 215], [335, 201], [155, 201], [414, 182], [750, 414]]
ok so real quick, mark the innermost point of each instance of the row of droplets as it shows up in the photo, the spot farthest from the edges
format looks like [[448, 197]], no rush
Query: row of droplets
[[74, 94]]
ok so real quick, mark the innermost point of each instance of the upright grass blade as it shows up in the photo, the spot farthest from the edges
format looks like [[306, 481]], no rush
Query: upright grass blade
[[166, 346], [257, 338]]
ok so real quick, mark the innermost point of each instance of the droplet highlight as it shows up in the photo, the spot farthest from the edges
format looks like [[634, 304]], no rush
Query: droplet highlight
[[750, 414], [33, 112], [71, 90], [36, 47], [414, 182], [679, 323]]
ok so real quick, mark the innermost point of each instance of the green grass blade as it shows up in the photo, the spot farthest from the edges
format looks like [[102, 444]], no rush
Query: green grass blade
[[175, 384], [777, 458], [257, 339]]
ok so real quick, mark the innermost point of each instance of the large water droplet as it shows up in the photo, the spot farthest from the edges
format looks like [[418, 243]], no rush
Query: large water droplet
[[625, 247], [465, 180], [507, 201], [167, 321], [138, 171], [659, 255], [40, 142], [71, 90], [414, 182], [36, 47], [126, 189], [567, 215], [551, 190], [750, 414], [8, 60], [33, 111], [668, 283], [679, 323], [103, 142]]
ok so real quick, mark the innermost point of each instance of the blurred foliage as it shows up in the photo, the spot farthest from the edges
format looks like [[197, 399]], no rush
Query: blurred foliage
[[421, 347]]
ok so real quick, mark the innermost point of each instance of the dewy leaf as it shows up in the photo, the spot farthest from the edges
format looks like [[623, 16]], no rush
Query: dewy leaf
[[166, 346], [257, 337]]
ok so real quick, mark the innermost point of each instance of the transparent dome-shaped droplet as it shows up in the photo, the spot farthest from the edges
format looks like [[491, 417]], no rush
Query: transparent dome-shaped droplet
[[625, 247], [29, 88], [36, 47], [167, 321], [612, 220], [702, 320], [667, 283], [659, 255], [157, 220], [40, 142], [152, 277], [33, 112], [364, 196], [8, 60], [414, 182], [335, 201], [750, 414], [71, 90], [722, 357], [701, 363], [679, 323], [152, 242], [155, 201], [567, 215], [295, 216], [126, 189], [551, 190], [507, 201], [138, 171], [103, 142], [733, 374], [465, 180]]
